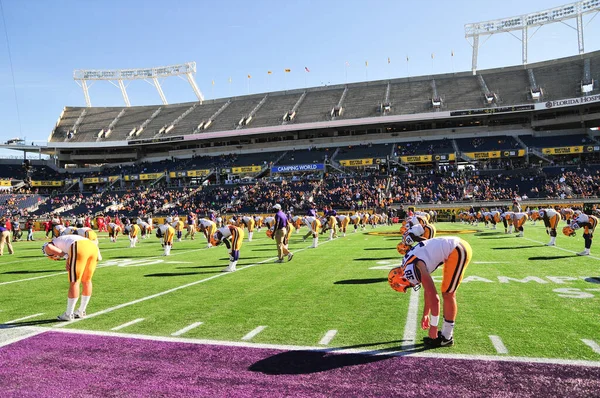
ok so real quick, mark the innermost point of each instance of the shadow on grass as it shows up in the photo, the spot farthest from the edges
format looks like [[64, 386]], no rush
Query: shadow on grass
[[28, 323], [32, 272], [517, 247], [360, 281], [203, 266], [593, 279], [380, 248], [166, 274], [489, 233], [245, 258], [544, 258], [377, 258], [307, 362], [498, 237]]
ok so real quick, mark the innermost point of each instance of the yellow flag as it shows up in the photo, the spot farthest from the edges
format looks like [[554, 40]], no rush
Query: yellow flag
[[249, 77], [287, 70], [269, 72], [432, 55], [213, 82], [366, 63]]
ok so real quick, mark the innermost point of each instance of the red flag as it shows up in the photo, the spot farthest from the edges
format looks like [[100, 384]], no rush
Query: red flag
[[306, 69]]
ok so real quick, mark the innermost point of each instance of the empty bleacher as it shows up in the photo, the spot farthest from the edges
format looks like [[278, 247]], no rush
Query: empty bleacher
[[273, 110], [317, 106], [305, 156], [410, 97], [550, 141], [133, 117], [364, 152], [230, 117], [363, 101], [66, 122], [201, 113], [483, 144], [95, 119], [460, 92], [560, 80], [424, 147], [510, 86]]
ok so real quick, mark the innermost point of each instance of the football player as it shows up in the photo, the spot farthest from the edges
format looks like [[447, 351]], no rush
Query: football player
[[113, 231], [507, 219], [551, 218], [82, 257], [208, 228], [57, 227], [145, 228], [313, 225], [415, 271], [224, 235], [248, 222], [134, 231], [588, 223], [518, 219], [167, 233], [343, 221], [355, 220]]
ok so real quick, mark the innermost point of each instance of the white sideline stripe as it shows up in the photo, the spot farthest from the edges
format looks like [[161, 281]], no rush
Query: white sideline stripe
[[592, 344], [186, 329], [253, 333], [33, 332], [159, 294], [438, 354], [128, 324], [99, 266], [410, 328], [328, 337], [25, 317], [498, 344], [560, 248]]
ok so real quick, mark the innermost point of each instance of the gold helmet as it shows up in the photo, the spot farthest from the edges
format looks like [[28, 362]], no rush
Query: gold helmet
[[398, 281], [403, 248], [568, 231]]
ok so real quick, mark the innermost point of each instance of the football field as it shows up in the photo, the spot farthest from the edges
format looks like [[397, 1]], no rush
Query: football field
[[520, 300]]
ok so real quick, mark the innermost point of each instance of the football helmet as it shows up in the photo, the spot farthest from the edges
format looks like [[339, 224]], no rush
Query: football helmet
[[397, 280], [403, 248], [568, 231], [541, 213], [169, 219], [269, 233]]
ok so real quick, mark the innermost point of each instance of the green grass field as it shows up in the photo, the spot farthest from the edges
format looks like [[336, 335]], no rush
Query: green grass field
[[540, 301]]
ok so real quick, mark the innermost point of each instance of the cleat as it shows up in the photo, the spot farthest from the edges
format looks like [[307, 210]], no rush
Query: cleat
[[290, 256], [65, 317], [228, 269], [583, 253], [550, 244], [79, 314], [440, 341], [278, 261]]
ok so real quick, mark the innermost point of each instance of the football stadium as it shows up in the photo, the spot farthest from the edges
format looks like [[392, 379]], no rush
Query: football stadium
[[416, 235]]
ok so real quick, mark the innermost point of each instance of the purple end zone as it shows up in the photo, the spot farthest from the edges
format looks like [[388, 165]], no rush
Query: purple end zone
[[63, 364]]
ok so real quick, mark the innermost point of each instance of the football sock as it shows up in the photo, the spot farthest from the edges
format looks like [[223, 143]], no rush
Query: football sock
[[84, 302], [250, 236], [447, 329], [71, 305]]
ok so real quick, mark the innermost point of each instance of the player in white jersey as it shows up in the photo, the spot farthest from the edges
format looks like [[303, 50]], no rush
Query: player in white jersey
[[518, 219], [313, 225], [507, 219], [418, 265], [208, 228], [588, 223], [551, 218], [82, 256], [68, 231], [269, 222], [343, 222], [355, 220]]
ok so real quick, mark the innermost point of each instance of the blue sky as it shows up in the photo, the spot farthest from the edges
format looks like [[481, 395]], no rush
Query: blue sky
[[49, 39]]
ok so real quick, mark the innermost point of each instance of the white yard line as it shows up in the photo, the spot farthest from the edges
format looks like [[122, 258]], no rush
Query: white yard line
[[592, 344], [328, 337], [498, 344], [126, 324], [253, 333], [99, 266], [186, 329], [25, 318], [10, 336], [560, 248], [430, 354], [412, 319], [159, 294]]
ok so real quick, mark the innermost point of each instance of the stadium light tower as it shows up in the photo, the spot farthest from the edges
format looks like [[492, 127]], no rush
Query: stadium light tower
[[149, 75], [534, 20]]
